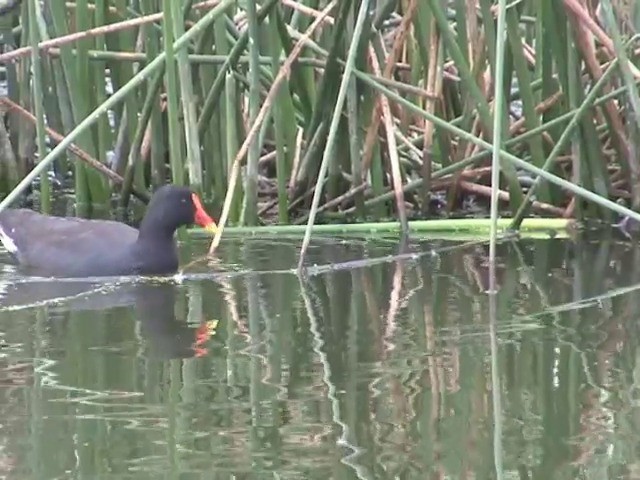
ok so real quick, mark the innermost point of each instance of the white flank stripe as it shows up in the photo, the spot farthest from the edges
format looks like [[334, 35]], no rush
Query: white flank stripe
[[7, 242]]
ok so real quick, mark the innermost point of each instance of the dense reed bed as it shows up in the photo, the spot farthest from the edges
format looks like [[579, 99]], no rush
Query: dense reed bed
[[352, 110]]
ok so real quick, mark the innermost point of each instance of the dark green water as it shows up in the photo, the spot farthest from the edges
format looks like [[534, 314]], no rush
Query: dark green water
[[376, 371]]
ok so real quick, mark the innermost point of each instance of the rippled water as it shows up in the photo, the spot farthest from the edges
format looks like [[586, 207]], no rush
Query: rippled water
[[375, 369]]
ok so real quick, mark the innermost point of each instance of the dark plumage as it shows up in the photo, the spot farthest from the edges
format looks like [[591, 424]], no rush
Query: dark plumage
[[75, 247]]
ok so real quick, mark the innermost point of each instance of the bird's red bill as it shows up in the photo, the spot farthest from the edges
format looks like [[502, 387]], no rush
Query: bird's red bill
[[202, 218]]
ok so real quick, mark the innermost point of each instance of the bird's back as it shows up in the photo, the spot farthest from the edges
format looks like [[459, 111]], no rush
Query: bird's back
[[67, 246]]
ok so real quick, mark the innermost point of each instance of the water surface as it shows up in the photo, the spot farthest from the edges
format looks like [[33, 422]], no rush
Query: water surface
[[363, 370]]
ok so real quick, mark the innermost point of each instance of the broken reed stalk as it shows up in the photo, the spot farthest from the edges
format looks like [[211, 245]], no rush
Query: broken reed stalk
[[255, 128], [479, 226]]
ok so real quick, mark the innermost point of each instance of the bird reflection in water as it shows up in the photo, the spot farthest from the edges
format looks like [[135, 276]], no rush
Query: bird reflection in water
[[152, 304]]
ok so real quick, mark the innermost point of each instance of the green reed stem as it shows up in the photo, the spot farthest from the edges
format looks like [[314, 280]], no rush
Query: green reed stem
[[251, 181], [143, 121], [171, 87], [188, 99], [498, 98], [113, 100], [38, 102], [233, 142], [564, 139], [213, 97], [333, 128], [512, 158]]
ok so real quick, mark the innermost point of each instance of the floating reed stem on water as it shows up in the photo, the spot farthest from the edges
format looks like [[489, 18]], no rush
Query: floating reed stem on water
[[289, 112]]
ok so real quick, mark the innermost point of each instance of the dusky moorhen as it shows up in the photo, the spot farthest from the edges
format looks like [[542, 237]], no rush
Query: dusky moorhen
[[75, 247]]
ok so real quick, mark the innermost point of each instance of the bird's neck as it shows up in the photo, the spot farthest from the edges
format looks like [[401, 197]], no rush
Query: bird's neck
[[156, 235], [155, 228]]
